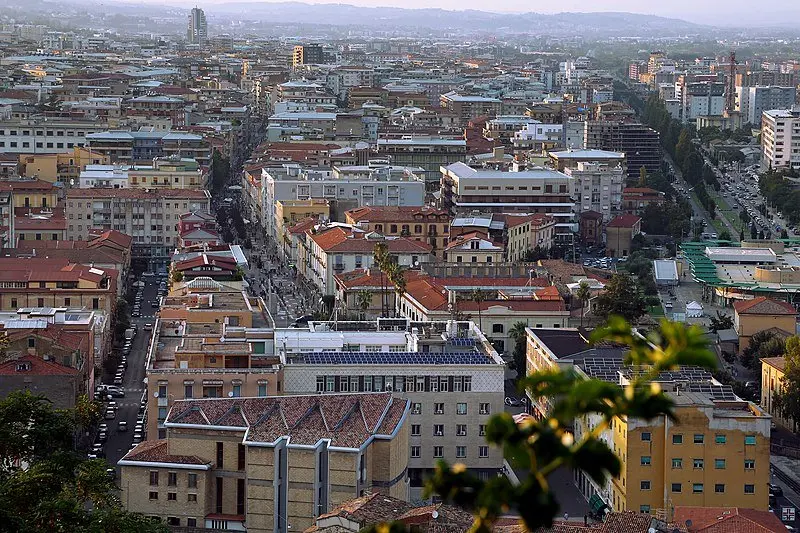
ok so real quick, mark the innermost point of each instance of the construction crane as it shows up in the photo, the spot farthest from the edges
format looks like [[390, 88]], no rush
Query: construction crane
[[730, 91]]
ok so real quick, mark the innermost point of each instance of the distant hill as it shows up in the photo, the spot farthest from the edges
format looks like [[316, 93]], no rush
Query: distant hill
[[458, 21]]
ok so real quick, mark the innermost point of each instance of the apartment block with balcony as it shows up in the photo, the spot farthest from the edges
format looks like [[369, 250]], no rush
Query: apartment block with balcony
[[468, 107], [150, 217], [780, 139], [141, 146], [465, 189], [449, 371], [268, 465], [424, 151]]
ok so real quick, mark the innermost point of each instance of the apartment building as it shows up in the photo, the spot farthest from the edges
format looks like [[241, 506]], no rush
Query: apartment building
[[268, 465], [465, 189], [468, 107], [640, 144], [150, 216], [780, 139], [449, 372], [426, 152], [773, 370], [473, 248], [341, 79], [164, 172], [762, 314], [336, 249], [61, 167], [290, 212], [344, 187], [636, 199], [598, 187], [40, 136], [527, 232], [141, 146], [425, 223], [702, 98], [715, 454], [753, 101], [210, 341], [538, 137]]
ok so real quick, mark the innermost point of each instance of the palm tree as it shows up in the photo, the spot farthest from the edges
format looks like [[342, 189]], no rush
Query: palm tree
[[397, 277], [380, 258], [517, 331], [363, 301], [583, 294], [479, 296]]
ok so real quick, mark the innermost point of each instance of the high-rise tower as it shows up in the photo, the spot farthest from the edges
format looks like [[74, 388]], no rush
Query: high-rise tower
[[197, 32]]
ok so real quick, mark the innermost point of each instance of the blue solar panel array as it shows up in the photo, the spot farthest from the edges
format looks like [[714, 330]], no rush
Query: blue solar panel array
[[462, 341], [395, 358]]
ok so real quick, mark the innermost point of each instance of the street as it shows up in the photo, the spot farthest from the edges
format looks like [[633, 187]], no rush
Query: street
[[119, 443]]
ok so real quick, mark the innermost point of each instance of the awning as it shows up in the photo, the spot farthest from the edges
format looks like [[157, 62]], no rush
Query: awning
[[596, 504]]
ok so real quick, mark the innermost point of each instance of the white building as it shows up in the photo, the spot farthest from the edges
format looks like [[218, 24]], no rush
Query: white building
[[753, 101], [33, 136], [780, 139], [465, 189], [448, 370], [535, 135], [598, 187], [363, 185]]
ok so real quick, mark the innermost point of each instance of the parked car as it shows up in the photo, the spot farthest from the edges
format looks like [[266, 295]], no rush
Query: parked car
[[117, 381], [122, 426], [110, 414]]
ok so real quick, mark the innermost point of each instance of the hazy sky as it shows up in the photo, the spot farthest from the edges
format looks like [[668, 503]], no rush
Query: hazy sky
[[738, 12]]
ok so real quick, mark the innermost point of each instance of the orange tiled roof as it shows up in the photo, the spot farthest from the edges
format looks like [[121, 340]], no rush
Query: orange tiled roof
[[764, 306], [728, 520]]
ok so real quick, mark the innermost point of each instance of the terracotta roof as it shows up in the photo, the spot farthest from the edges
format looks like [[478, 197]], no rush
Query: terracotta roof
[[462, 240], [729, 520], [348, 420], [157, 451], [49, 269], [304, 225], [429, 294], [27, 185], [515, 305], [370, 277], [764, 306], [592, 215], [778, 363], [38, 366], [624, 221], [536, 219], [112, 237], [395, 213], [340, 239]]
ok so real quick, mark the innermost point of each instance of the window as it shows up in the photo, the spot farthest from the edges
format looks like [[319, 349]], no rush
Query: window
[[461, 451], [438, 451], [192, 522], [240, 457], [461, 430], [415, 452], [699, 438], [720, 439], [497, 328], [153, 478], [719, 488], [31, 342], [172, 496], [262, 389], [483, 451], [697, 488], [415, 430], [485, 409], [438, 430], [172, 479], [237, 391], [644, 508], [646, 437], [192, 481], [697, 463], [644, 485], [749, 464], [719, 464], [438, 408], [188, 392], [749, 488], [645, 460], [153, 495], [416, 408], [482, 430], [219, 455], [191, 498], [677, 438], [750, 440], [676, 487], [461, 408], [67, 301]]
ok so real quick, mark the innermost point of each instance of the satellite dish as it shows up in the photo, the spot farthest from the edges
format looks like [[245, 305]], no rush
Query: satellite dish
[[230, 394], [435, 515], [155, 394]]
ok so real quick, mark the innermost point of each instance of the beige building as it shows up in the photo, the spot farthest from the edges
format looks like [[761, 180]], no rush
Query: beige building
[[620, 233], [762, 314], [772, 372], [290, 212], [268, 464], [473, 248], [526, 232], [211, 341], [423, 223]]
